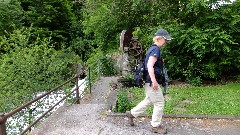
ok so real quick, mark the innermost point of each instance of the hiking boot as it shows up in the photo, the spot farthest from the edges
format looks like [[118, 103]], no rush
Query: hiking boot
[[130, 118], [160, 130]]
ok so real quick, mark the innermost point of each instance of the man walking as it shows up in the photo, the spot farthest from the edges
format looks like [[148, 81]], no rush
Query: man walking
[[154, 95]]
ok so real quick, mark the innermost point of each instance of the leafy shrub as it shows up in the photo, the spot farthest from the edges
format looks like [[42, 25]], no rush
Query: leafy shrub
[[128, 76], [94, 56], [199, 48], [123, 103], [31, 68], [108, 67], [11, 16], [208, 54], [197, 81]]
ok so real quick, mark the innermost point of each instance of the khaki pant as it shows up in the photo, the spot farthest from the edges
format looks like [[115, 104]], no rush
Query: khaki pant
[[154, 97]]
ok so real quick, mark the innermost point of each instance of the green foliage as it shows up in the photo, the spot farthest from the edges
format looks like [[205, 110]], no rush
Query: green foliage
[[195, 81], [53, 15], [123, 103], [145, 36], [206, 33], [32, 68], [193, 11], [205, 45], [11, 14], [19, 38], [82, 47], [80, 43], [108, 67], [204, 53], [128, 76], [94, 56], [105, 20], [107, 64], [138, 94], [200, 50], [203, 49], [98, 23]]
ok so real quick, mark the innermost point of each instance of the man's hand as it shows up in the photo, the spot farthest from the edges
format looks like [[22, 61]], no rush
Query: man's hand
[[155, 85], [152, 60]]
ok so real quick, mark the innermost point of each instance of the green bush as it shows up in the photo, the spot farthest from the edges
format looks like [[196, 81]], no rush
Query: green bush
[[107, 64], [31, 68], [197, 81], [123, 103], [209, 51], [11, 14], [108, 67], [207, 54]]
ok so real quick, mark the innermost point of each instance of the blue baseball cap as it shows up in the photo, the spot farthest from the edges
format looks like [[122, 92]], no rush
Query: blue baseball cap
[[164, 34]]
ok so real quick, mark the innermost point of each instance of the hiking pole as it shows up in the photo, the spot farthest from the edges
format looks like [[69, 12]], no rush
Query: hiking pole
[[165, 83]]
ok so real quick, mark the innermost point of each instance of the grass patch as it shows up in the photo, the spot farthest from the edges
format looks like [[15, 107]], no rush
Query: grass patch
[[207, 100]]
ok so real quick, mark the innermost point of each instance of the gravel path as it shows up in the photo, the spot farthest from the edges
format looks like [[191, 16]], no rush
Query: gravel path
[[91, 117]]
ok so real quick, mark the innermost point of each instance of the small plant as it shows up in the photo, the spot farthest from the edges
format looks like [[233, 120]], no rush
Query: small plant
[[197, 81], [128, 76], [238, 77], [108, 67], [123, 103]]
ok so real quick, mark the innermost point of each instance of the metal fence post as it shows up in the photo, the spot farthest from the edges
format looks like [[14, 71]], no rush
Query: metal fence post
[[89, 78], [77, 91], [98, 69], [30, 115], [2, 125]]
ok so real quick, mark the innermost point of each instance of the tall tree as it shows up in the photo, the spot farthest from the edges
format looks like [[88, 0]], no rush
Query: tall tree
[[11, 14], [53, 15], [204, 32]]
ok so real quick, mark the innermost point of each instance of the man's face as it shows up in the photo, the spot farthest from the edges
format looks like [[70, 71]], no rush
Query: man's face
[[165, 41]]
